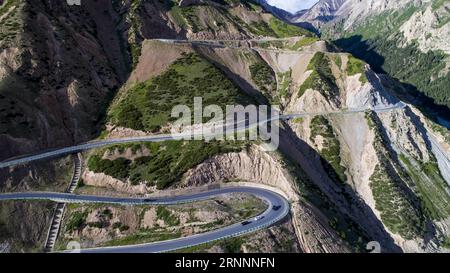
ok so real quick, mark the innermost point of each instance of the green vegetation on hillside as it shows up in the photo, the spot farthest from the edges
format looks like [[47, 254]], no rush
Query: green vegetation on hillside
[[263, 76], [188, 16], [348, 229], [118, 168], [8, 5], [284, 30], [274, 44], [167, 162], [76, 221], [147, 106], [11, 23], [375, 26], [178, 16], [441, 130], [356, 66], [398, 213], [400, 210], [430, 187], [284, 82], [321, 79], [165, 222], [143, 236], [304, 42], [438, 3], [167, 216], [338, 60], [276, 28], [377, 43], [330, 153], [288, 44], [134, 34], [424, 70], [446, 242]]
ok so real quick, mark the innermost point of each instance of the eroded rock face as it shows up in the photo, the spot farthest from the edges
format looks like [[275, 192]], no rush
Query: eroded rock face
[[259, 167], [254, 166], [105, 181], [315, 235]]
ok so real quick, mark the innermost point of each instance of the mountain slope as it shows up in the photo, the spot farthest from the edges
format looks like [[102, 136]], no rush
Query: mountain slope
[[386, 34], [353, 174], [197, 20], [378, 171], [373, 152]]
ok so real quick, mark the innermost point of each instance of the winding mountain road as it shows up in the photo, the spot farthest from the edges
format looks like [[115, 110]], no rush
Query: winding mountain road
[[278, 208], [238, 126]]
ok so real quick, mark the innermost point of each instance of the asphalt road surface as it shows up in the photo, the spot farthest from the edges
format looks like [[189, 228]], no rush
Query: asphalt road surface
[[278, 208]]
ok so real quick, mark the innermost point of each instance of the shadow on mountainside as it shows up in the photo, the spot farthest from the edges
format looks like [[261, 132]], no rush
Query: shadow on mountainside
[[406, 92], [308, 26], [336, 200]]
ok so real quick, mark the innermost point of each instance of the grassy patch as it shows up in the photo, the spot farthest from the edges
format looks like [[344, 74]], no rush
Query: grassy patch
[[166, 215], [398, 213], [284, 30], [330, 153], [147, 106], [304, 42], [261, 28], [263, 76], [177, 14], [440, 129], [144, 236], [76, 221], [437, 4], [376, 25], [118, 168], [167, 163], [446, 243], [272, 44], [189, 14], [276, 28], [285, 81], [321, 79], [356, 66], [338, 60]]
